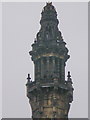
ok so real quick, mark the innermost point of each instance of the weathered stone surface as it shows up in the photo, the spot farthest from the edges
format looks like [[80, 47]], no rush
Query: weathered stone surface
[[50, 94]]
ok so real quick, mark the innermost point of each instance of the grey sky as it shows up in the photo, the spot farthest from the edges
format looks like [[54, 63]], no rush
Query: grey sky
[[20, 25]]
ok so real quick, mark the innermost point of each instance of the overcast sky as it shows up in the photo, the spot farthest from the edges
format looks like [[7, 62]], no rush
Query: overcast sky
[[20, 25]]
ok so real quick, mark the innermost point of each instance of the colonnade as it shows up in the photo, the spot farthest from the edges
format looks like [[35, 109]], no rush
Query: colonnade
[[49, 66]]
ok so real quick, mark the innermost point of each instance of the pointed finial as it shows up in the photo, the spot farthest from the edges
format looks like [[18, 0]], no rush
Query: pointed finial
[[28, 78], [35, 40], [68, 74], [69, 78], [49, 3]]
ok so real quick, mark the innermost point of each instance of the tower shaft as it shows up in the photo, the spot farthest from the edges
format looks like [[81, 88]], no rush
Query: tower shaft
[[50, 94]]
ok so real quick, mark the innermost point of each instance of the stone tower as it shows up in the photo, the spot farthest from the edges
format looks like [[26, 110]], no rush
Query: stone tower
[[49, 94]]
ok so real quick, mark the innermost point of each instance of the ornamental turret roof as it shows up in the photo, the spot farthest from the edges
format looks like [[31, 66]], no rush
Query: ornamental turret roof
[[49, 39], [49, 13]]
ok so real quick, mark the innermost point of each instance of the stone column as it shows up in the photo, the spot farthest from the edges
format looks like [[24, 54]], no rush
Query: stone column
[[58, 67], [36, 69], [62, 70], [38, 66], [53, 64], [42, 68], [47, 68]]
